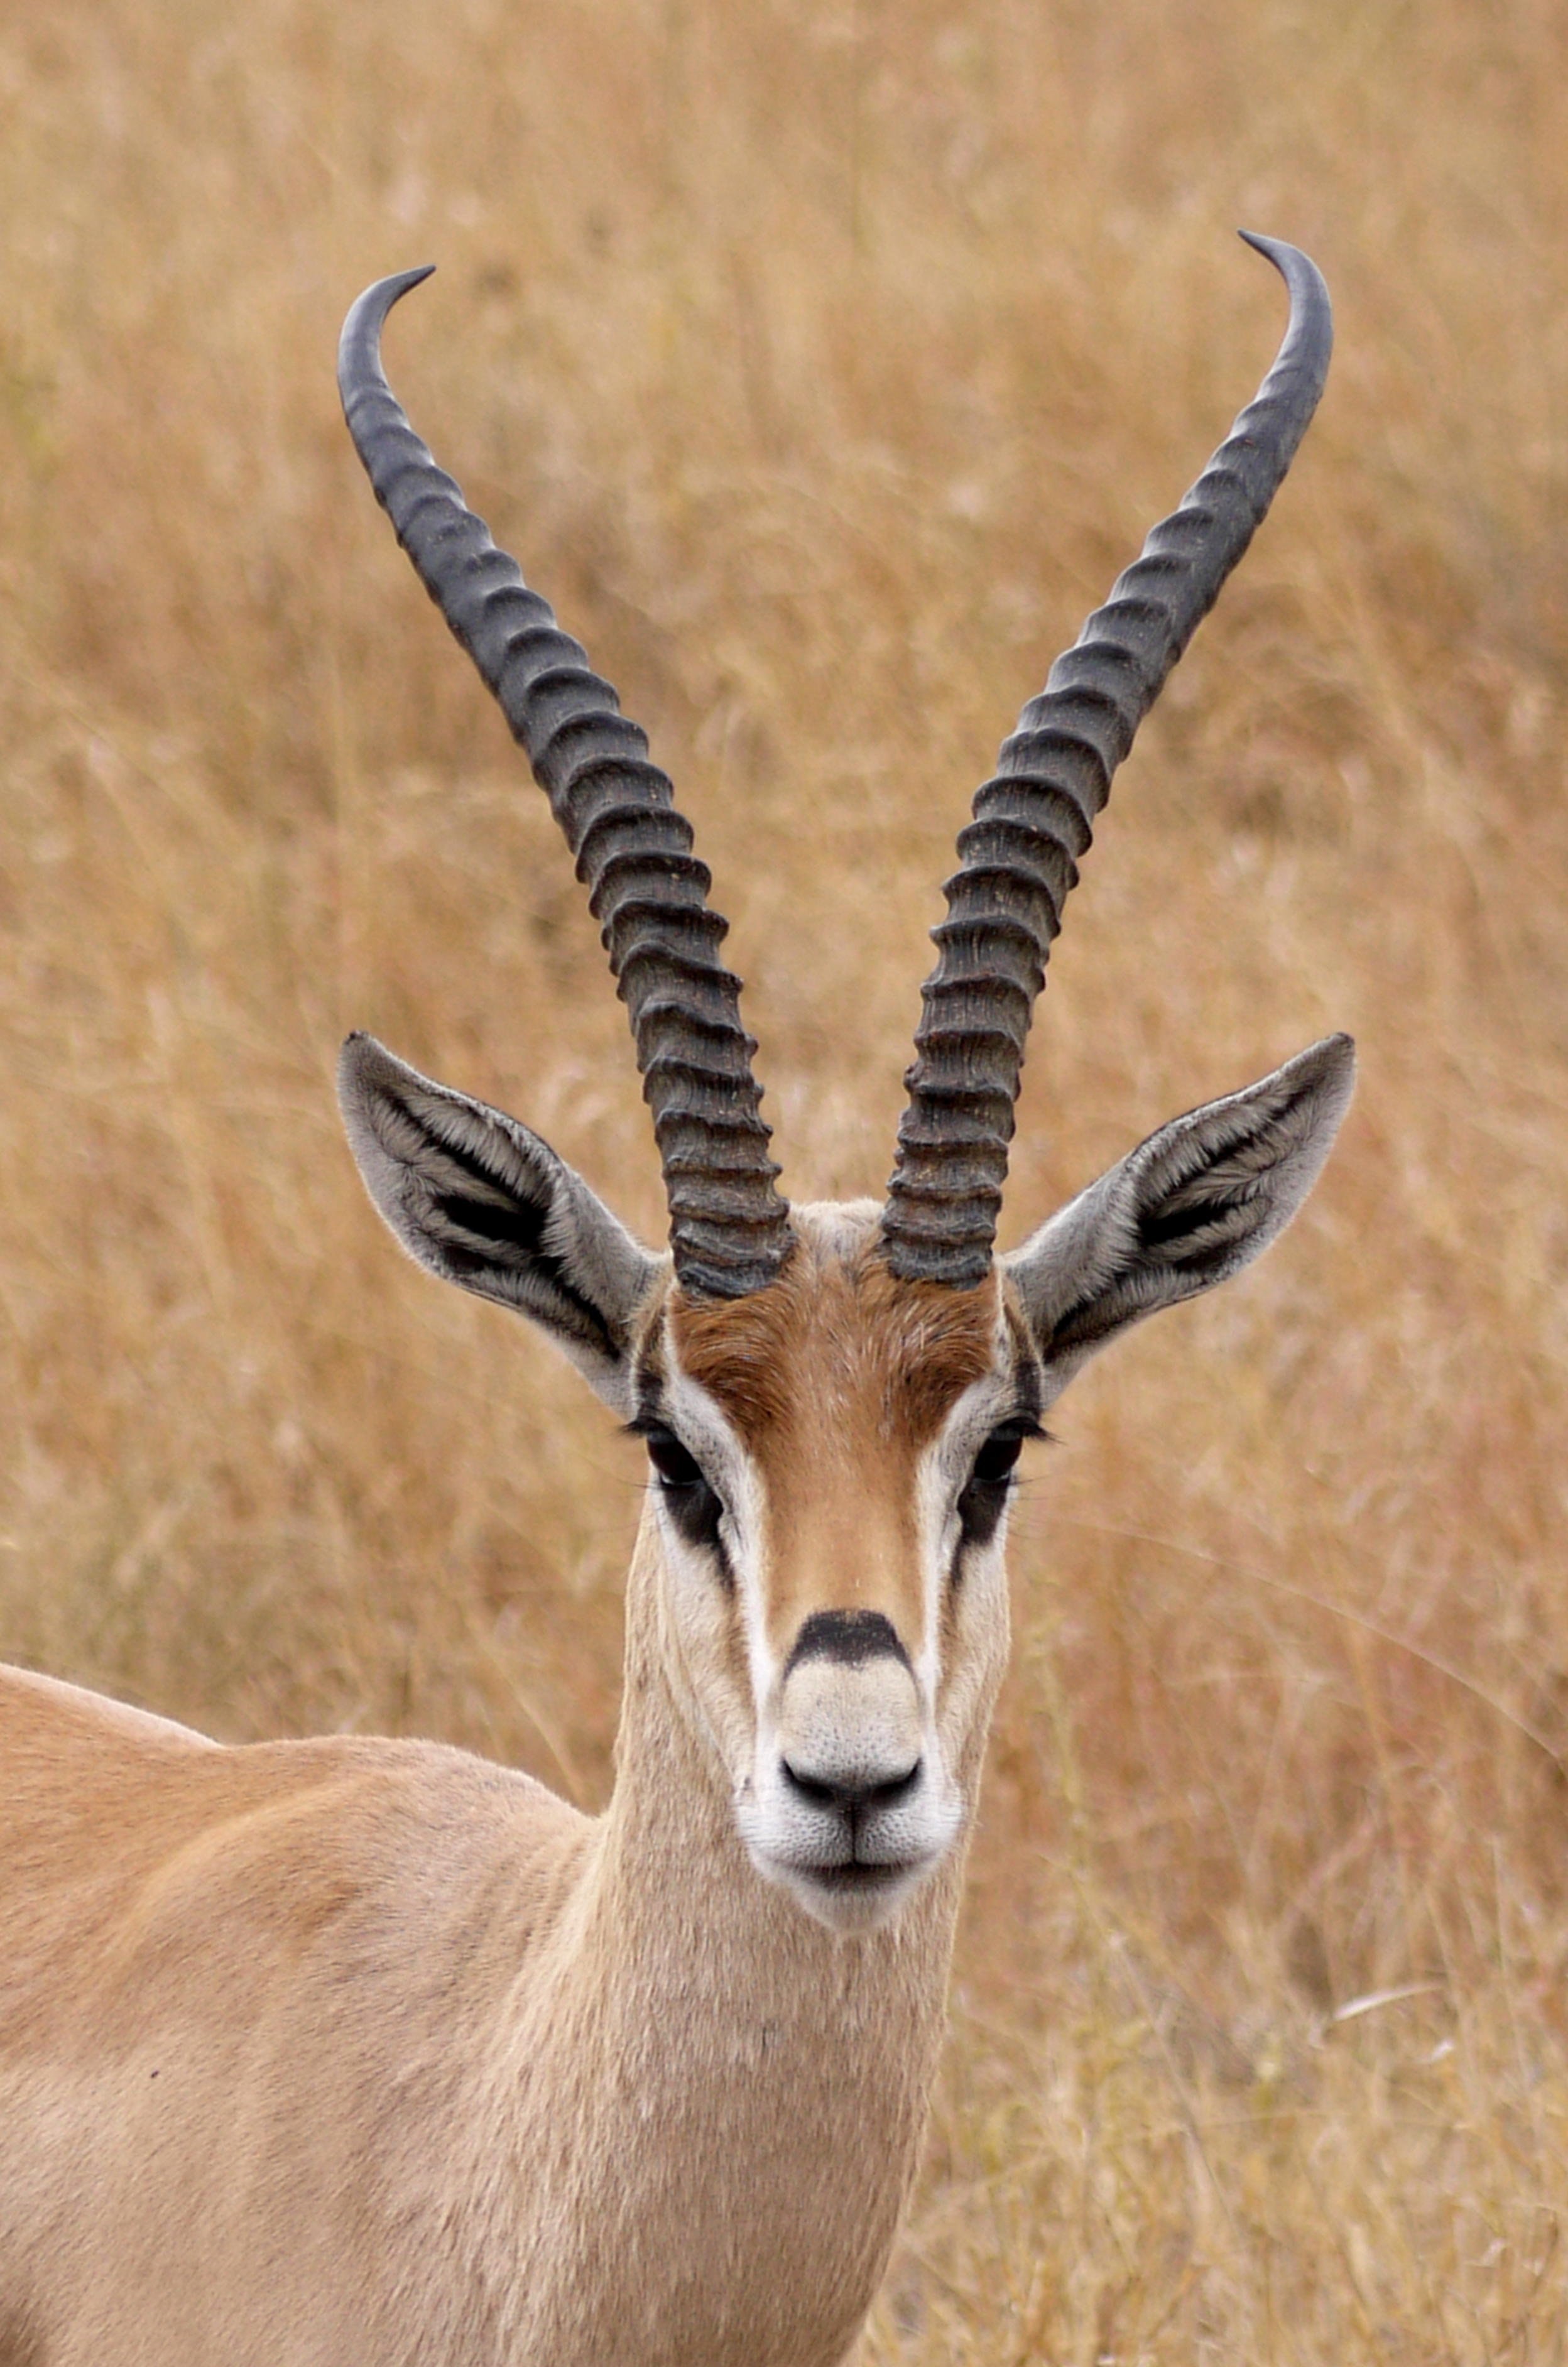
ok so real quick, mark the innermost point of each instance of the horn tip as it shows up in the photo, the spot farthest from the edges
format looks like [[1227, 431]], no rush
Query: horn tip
[[362, 328], [397, 283], [1275, 249], [1295, 266]]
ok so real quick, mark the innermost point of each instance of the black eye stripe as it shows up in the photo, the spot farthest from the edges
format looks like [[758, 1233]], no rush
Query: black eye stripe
[[687, 1494], [983, 1496]]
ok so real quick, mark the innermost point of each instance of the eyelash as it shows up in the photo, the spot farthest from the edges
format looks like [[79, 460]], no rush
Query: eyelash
[[983, 1496], [694, 1504]]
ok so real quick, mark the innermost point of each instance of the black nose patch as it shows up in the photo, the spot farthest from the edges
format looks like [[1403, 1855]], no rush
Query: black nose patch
[[849, 1636]]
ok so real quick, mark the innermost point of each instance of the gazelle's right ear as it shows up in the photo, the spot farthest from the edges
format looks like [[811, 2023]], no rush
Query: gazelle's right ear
[[1190, 1206], [481, 1201]]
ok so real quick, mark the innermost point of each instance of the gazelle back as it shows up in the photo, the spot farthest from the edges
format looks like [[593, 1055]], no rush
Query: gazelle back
[[369, 2052]]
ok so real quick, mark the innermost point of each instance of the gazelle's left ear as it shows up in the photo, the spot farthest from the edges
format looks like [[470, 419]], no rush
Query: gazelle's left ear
[[1188, 1208], [483, 1202]]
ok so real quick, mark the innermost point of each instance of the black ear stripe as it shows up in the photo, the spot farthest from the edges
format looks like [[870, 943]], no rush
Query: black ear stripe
[[1191, 1205], [478, 1199]]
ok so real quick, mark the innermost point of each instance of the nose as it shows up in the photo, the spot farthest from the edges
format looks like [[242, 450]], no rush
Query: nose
[[849, 1725]]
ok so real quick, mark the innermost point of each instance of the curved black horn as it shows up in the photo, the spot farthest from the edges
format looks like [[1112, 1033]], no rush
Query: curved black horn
[[1032, 821], [729, 1227]]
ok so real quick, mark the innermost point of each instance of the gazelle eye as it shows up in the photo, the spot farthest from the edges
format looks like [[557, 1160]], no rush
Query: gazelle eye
[[986, 1492], [694, 1506], [998, 1458], [669, 1458]]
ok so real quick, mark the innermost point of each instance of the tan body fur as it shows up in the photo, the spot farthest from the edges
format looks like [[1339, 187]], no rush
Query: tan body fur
[[360, 2003]]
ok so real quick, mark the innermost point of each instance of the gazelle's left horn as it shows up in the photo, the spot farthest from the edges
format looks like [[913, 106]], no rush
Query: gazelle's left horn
[[1033, 819], [729, 1227]]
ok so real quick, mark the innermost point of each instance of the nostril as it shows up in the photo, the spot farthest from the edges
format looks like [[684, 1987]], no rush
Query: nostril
[[853, 1792], [896, 1788], [820, 1794]]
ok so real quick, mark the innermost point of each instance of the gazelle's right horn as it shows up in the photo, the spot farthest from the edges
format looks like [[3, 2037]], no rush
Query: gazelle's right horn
[[1033, 819], [729, 1227]]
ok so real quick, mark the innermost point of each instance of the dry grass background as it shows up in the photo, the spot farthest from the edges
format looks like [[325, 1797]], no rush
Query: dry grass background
[[823, 361]]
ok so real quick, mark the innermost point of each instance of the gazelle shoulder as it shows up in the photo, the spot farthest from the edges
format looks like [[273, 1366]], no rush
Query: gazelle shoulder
[[365, 1851]]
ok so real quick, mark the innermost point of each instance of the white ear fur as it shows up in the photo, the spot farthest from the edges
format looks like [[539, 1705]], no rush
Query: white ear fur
[[1190, 1206], [482, 1202]]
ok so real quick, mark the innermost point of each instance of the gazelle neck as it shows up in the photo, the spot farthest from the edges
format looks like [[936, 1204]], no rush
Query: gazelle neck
[[752, 2087]]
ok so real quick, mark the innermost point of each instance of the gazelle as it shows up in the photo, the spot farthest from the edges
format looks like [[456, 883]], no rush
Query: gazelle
[[366, 2054]]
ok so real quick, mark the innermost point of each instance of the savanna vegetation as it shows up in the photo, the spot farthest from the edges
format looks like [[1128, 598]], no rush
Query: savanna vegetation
[[823, 359]]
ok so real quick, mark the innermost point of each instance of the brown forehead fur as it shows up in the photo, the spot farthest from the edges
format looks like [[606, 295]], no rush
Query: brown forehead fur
[[909, 1348]]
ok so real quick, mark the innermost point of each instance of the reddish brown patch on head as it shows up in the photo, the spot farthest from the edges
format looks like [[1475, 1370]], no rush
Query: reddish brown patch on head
[[839, 1330]]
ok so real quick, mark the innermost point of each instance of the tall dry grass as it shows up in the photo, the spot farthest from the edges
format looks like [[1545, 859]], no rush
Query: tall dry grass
[[824, 362]]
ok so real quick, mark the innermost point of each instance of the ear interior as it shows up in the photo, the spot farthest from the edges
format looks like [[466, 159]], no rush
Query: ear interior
[[481, 1201], [1190, 1206]]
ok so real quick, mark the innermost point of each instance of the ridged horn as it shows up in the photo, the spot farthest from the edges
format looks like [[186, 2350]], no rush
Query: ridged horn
[[729, 1227], [1033, 819]]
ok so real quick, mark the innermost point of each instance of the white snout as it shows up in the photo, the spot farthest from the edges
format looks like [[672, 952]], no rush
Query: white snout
[[849, 1805], [851, 1730]]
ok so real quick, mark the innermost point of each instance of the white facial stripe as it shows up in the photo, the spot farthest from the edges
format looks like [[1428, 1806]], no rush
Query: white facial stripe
[[944, 1469], [707, 1432]]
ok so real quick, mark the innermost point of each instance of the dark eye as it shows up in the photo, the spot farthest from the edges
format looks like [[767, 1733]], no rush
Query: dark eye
[[669, 1458], [984, 1496], [998, 1459], [693, 1505]]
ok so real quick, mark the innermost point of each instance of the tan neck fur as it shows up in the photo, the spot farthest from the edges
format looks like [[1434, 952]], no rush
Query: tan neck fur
[[749, 2089]]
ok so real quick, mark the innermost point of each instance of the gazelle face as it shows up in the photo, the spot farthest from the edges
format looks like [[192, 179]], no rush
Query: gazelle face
[[832, 1460], [831, 1454]]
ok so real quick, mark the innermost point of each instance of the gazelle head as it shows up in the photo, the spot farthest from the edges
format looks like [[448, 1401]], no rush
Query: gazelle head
[[834, 1398]]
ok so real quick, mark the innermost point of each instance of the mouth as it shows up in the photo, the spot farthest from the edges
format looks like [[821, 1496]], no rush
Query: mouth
[[854, 1896], [855, 1879]]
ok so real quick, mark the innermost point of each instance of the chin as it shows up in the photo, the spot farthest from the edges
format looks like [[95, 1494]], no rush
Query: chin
[[849, 1899]]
